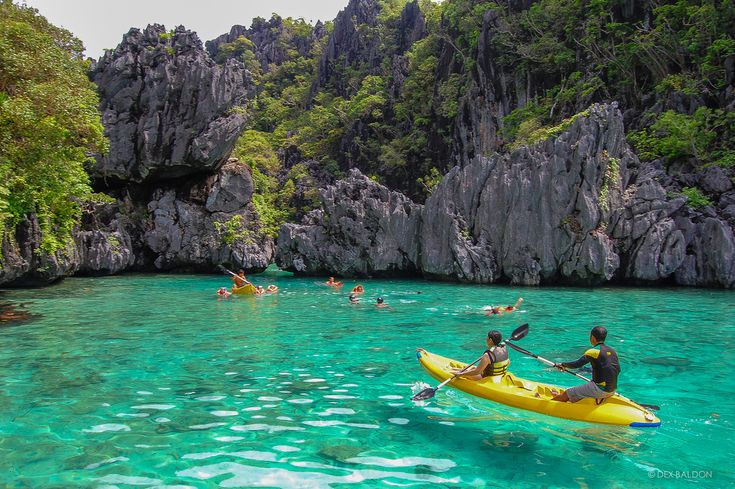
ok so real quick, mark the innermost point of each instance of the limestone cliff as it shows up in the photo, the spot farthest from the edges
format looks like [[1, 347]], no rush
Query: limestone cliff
[[168, 109], [577, 209], [362, 229]]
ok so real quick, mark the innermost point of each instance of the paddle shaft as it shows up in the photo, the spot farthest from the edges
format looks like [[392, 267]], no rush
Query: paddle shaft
[[547, 362], [552, 364]]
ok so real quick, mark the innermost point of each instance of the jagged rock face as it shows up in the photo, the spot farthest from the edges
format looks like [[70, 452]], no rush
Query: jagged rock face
[[534, 215], [350, 42], [363, 229], [412, 26], [710, 258], [167, 107], [577, 209], [199, 227], [194, 225], [104, 241], [355, 41], [23, 264]]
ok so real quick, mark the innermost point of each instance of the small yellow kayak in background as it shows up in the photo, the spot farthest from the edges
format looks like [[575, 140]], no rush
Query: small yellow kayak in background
[[246, 289], [534, 396]]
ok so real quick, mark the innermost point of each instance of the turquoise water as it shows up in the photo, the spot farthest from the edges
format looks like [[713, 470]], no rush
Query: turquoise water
[[151, 381]]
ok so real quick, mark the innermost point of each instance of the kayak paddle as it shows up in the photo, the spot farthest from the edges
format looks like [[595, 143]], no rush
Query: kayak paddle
[[520, 332], [552, 364]]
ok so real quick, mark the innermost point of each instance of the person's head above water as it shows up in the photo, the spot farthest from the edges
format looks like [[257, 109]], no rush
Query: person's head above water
[[599, 333], [380, 300], [494, 336]]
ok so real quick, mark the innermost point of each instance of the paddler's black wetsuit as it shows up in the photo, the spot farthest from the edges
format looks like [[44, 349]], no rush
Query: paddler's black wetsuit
[[605, 366]]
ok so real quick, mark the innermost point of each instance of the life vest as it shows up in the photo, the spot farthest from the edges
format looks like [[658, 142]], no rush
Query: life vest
[[499, 361], [605, 367]]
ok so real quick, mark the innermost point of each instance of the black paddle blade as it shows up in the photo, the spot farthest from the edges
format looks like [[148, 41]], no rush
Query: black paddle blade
[[427, 393], [520, 332]]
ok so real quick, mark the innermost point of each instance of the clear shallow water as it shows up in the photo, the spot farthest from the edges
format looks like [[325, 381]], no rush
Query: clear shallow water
[[151, 381]]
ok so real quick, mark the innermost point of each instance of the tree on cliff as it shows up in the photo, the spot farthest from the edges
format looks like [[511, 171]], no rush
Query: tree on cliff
[[49, 123]]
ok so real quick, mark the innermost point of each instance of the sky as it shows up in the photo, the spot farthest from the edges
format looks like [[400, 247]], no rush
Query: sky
[[101, 24]]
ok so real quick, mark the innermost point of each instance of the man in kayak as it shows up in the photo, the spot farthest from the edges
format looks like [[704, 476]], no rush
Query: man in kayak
[[605, 370], [494, 362], [240, 279]]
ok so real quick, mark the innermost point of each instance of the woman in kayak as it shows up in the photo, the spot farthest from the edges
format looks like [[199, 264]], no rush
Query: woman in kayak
[[605, 370], [494, 362]]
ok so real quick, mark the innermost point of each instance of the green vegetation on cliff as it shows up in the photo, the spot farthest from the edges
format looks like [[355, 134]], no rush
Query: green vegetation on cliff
[[49, 123], [655, 58], [396, 110]]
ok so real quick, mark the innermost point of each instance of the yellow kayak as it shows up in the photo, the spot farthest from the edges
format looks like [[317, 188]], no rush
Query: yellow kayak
[[534, 396], [246, 289]]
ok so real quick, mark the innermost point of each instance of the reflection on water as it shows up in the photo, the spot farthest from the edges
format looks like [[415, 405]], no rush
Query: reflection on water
[[13, 314], [144, 381]]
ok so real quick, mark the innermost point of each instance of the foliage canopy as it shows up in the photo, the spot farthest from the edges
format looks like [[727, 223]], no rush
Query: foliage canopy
[[49, 124]]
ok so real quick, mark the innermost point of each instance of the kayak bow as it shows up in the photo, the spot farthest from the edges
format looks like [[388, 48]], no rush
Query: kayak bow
[[246, 289]]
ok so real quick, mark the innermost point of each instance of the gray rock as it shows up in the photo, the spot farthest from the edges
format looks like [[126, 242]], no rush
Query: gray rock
[[167, 107], [363, 229], [233, 190], [710, 254], [350, 43], [25, 264], [353, 42], [104, 241], [576, 209], [200, 226], [715, 180], [194, 226]]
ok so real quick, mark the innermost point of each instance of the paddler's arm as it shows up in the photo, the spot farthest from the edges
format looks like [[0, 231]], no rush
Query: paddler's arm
[[479, 368], [582, 361]]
